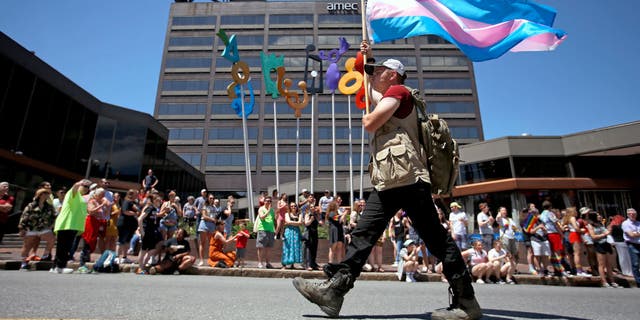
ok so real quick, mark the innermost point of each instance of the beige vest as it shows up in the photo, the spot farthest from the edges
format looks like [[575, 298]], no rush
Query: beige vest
[[397, 157]]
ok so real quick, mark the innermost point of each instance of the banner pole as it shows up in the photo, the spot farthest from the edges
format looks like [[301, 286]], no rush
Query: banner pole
[[363, 9]]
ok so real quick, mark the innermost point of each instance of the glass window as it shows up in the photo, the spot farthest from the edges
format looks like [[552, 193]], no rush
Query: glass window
[[341, 107], [339, 19], [249, 40], [252, 61], [188, 63], [190, 41], [464, 132], [287, 40], [440, 61], [192, 158], [286, 159], [234, 159], [128, 150], [231, 133], [185, 133], [485, 171], [540, 167], [194, 21], [185, 85], [325, 133], [283, 108], [450, 107], [222, 108], [294, 61], [181, 108], [333, 40], [342, 159], [447, 83], [286, 133], [291, 19], [240, 20], [412, 83]]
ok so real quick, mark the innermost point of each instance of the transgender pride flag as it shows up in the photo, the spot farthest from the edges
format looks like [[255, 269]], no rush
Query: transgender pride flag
[[482, 29]]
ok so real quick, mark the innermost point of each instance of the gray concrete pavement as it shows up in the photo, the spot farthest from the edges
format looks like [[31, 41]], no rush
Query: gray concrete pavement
[[129, 296]]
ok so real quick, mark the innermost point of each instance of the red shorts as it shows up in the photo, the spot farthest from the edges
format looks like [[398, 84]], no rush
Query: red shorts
[[555, 240], [575, 237], [93, 228]]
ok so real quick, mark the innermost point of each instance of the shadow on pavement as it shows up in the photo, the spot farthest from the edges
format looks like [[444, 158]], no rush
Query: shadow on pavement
[[489, 314]]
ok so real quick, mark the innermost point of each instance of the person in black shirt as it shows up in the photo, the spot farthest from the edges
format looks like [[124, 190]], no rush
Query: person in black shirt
[[150, 181], [177, 257]]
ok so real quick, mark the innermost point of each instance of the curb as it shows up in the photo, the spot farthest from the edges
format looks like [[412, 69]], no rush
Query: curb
[[369, 276]]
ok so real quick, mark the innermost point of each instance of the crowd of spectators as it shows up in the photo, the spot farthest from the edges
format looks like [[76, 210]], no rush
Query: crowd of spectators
[[162, 230]]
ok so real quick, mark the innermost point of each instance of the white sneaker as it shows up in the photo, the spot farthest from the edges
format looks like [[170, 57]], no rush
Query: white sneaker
[[583, 274], [395, 264], [201, 263], [479, 281], [62, 270]]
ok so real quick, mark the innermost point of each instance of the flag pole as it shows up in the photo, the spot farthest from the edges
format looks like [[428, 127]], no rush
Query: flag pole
[[363, 7]]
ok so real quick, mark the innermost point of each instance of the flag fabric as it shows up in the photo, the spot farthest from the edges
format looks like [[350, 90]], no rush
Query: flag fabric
[[482, 29], [530, 222]]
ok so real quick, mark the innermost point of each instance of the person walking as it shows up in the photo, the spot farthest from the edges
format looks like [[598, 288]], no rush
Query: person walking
[[401, 180]]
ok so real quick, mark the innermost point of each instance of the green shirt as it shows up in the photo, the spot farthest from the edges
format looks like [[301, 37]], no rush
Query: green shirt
[[73, 213], [266, 224]]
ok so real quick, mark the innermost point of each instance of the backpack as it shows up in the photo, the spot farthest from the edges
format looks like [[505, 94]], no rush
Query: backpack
[[443, 157], [107, 262]]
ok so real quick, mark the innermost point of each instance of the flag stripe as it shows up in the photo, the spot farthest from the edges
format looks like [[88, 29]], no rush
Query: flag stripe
[[397, 19]]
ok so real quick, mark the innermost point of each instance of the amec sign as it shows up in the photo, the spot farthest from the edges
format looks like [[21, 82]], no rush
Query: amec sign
[[342, 7]]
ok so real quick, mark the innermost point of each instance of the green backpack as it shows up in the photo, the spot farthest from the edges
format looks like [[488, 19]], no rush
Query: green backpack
[[443, 157]]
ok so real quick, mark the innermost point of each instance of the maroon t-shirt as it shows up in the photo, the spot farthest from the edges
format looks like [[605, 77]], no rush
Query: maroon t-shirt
[[401, 93], [4, 216]]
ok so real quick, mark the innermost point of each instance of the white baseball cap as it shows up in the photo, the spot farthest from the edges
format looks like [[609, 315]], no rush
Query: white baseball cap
[[392, 64]]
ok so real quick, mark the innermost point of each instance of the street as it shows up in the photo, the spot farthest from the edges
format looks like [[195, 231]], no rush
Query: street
[[129, 296]]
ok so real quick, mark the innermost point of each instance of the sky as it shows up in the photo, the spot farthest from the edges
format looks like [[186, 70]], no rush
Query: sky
[[113, 50]]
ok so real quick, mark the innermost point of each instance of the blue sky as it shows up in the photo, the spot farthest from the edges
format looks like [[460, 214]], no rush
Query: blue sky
[[113, 49]]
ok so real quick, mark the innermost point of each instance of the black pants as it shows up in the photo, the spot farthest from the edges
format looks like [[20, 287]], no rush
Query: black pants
[[311, 249], [64, 242], [416, 201]]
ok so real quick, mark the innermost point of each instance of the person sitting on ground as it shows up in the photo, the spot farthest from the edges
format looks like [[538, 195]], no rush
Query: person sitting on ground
[[217, 255], [408, 260], [502, 263], [36, 223], [478, 261], [177, 257]]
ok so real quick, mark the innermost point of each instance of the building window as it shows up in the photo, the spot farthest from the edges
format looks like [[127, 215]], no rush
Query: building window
[[231, 133], [450, 107], [232, 159], [182, 109], [286, 159], [533, 167], [283, 108], [485, 171], [447, 83], [241, 20], [464, 132], [444, 61], [286, 133], [342, 159], [185, 133], [194, 21], [250, 40], [340, 107], [222, 108], [325, 133], [192, 158], [291, 62], [334, 41], [190, 41], [334, 19], [185, 85], [291, 19], [252, 61], [288, 40], [188, 63]]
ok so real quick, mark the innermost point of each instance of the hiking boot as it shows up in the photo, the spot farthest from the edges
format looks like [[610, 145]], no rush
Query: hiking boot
[[464, 305], [328, 294]]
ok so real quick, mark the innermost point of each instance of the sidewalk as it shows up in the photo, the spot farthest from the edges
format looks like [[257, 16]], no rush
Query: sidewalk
[[10, 260]]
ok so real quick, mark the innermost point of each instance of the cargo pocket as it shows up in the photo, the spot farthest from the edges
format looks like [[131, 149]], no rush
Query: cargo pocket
[[393, 163]]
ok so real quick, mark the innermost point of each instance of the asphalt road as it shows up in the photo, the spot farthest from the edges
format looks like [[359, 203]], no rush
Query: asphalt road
[[129, 296]]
